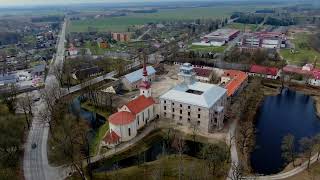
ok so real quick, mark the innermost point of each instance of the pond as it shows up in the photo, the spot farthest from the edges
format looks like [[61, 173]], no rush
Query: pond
[[151, 153], [289, 112], [95, 120]]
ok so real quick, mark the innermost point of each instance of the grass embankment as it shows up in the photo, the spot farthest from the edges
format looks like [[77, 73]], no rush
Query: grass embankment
[[12, 128], [215, 49], [313, 173], [303, 52], [165, 167]]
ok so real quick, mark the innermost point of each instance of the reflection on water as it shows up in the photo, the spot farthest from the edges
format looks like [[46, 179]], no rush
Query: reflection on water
[[288, 112]]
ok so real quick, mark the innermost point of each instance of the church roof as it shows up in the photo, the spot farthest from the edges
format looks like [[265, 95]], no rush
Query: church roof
[[111, 137], [139, 104], [121, 118]]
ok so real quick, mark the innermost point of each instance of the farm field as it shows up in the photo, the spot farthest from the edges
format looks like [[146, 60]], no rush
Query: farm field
[[122, 23], [215, 49], [303, 52]]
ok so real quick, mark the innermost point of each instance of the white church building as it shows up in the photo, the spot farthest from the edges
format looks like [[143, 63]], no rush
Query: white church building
[[124, 124]]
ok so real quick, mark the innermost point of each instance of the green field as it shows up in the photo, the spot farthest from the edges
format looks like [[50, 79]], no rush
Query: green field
[[215, 49], [240, 26], [122, 23], [303, 52]]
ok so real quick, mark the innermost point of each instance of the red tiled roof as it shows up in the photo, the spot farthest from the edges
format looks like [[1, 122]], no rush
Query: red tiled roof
[[111, 137], [121, 118], [296, 69], [264, 70], [202, 72], [139, 104], [316, 74], [237, 78]]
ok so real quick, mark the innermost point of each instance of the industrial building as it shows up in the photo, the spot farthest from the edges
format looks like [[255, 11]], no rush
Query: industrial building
[[269, 40], [218, 37]]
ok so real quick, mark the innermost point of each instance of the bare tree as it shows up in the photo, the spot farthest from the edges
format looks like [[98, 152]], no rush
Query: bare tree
[[316, 140], [288, 149], [25, 103], [179, 145], [306, 146], [58, 73], [237, 171]]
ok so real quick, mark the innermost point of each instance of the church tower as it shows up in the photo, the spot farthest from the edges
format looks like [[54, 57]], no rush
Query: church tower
[[187, 74], [145, 86]]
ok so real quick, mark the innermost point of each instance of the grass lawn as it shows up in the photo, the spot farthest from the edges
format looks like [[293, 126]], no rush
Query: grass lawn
[[215, 49], [122, 23], [94, 146], [304, 53], [167, 166]]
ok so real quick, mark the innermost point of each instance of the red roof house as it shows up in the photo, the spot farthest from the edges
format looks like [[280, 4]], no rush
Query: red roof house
[[264, 70]]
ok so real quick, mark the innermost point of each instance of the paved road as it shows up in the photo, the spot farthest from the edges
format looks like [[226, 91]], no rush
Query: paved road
[[35, 162]]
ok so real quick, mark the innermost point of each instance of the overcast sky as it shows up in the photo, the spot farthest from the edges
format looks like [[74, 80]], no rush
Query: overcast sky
[[42, 2]]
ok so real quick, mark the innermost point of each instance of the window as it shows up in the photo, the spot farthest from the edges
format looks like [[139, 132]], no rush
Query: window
[[180, 118], [215, 112], [172, 104], [198, 115], [188, 107], [143, 92], [172, 109], [188, 113], [180, 111], [188, 119], [129, 131], [138, 121], [172, 116], [164, 108], [165, 114], [199, 109], [198, 122], [180, 105], [165, 101], [215, 120]]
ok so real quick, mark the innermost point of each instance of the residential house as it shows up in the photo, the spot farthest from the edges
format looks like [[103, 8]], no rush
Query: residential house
[[203, 74], [132, 80], [265, 72]]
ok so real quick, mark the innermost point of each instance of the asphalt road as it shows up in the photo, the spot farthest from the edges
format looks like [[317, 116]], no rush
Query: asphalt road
[[35, 162]]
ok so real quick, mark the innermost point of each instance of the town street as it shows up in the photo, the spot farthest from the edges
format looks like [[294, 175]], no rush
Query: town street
[[35, 162]]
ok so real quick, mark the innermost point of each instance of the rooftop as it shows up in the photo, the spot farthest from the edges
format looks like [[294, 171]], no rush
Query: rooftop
[[139, 104], [111, 137], [203, 72], [187, 94], [137, 75], [121, 118], [237, 78], [264, 70], [222, 33]]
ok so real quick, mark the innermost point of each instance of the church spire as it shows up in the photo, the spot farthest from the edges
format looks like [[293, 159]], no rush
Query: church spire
[[145, 85]]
